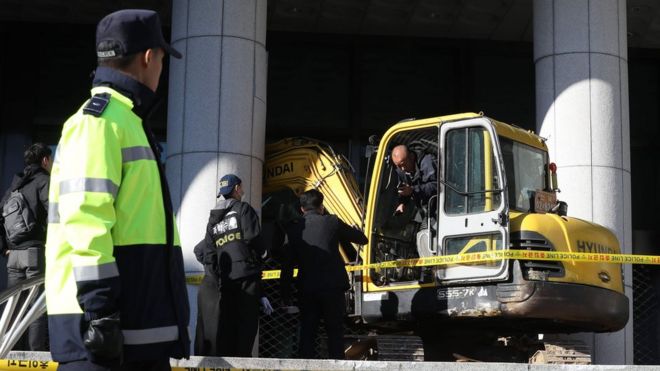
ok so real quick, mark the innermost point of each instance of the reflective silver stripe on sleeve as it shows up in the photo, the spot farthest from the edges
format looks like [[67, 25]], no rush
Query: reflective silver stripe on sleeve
[[53, 212], [95, 272], [151, 335], [88, 185], [137, 153]]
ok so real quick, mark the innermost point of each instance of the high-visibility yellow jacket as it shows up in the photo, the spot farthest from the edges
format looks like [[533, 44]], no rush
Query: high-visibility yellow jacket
[[107, 247]]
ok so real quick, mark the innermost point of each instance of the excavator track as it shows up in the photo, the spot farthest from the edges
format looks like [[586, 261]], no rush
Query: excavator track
[[385, 348], [400, 348]]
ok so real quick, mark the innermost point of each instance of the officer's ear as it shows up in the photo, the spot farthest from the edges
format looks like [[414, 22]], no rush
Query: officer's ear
[[150, 56], [145, 57]]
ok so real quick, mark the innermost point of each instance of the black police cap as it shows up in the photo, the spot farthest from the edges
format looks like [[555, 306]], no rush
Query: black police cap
[[130, 31]]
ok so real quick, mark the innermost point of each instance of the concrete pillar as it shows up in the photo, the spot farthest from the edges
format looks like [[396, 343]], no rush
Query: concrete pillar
[[217, 109], [580, 52]]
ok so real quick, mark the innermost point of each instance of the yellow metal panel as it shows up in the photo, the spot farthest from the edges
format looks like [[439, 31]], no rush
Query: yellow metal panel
[[575, 235], [519, 135]]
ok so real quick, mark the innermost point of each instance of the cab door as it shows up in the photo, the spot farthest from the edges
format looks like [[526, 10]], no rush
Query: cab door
[[472, 208]]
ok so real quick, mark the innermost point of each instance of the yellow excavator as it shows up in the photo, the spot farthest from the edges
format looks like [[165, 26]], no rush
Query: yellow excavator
[[496, 190]]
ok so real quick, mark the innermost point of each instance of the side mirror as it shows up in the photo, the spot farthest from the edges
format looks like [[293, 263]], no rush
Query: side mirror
[[560, 209]]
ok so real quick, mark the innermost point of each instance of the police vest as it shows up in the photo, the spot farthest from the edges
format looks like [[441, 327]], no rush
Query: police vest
[[227, 230], [236, 258]]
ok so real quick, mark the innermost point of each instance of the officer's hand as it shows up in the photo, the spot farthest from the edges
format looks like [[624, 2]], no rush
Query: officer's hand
[[399, 209], [265, 306], [103, 338]]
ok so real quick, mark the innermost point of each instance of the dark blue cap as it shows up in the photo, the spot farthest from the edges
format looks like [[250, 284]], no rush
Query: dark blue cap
[[227, 184], [130, 31]]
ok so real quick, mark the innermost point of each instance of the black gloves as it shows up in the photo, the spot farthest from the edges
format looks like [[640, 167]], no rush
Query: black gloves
[[104, 340]]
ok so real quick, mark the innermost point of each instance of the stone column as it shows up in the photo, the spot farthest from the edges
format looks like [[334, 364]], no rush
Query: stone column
[[580, 52], [216, 111]]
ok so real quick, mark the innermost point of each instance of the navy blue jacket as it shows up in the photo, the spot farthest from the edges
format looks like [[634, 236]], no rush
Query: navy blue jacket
[[314, 247], [424, 181]]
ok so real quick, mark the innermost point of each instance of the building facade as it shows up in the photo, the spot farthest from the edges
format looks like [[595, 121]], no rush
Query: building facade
[[582, 73]]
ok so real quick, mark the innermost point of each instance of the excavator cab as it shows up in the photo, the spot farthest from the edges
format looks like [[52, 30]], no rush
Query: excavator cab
[[468, 213]]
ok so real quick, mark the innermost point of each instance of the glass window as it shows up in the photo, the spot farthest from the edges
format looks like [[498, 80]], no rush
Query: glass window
[[471, 171], [525, 172]]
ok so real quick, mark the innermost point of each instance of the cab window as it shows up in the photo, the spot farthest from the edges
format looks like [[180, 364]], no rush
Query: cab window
[[470, 172], [525, 168]]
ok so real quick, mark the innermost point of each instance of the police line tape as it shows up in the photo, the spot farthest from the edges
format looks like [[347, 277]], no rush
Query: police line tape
[[18, 364], [483, 257]]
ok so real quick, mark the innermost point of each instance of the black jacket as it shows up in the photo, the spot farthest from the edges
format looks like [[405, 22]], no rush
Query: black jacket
[[33, 183], [207, 257], [234, 248], [314, 245], [424, 181]]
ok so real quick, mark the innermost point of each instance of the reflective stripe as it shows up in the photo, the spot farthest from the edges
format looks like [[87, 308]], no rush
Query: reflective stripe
[[95, 272], [151, 335], [137, 153], [53, 212], [88, 185]]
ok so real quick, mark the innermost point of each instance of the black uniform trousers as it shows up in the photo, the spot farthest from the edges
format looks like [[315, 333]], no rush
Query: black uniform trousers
[[239, 317], [208, 314], [329, 305]]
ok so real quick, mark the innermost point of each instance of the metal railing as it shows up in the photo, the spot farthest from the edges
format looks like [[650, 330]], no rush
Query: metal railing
[[21, 305]]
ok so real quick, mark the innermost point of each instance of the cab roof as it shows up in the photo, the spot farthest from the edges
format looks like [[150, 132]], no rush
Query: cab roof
[[512, 132]]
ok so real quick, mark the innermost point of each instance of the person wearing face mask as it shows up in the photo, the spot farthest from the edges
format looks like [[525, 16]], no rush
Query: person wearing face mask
[[23, 224], [235, 250]]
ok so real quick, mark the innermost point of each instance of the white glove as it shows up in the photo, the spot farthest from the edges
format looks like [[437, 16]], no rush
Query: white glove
[[265, 306]]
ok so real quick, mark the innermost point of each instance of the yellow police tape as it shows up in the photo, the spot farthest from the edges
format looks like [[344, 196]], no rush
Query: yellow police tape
[[487, 256], [16, 364]]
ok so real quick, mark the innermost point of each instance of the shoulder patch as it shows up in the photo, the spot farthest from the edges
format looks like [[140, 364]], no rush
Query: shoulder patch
[[97, 104]]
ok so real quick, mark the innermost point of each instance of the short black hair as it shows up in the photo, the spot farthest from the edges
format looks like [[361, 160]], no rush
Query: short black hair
[[117, 63], [35, 153], [311, 200]]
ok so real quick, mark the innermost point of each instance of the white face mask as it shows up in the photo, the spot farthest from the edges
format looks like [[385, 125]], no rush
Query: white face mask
[[239, 192]]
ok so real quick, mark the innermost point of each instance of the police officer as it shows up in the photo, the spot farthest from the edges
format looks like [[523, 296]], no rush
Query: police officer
[[115, 284], [235, 246], [313, 244]]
